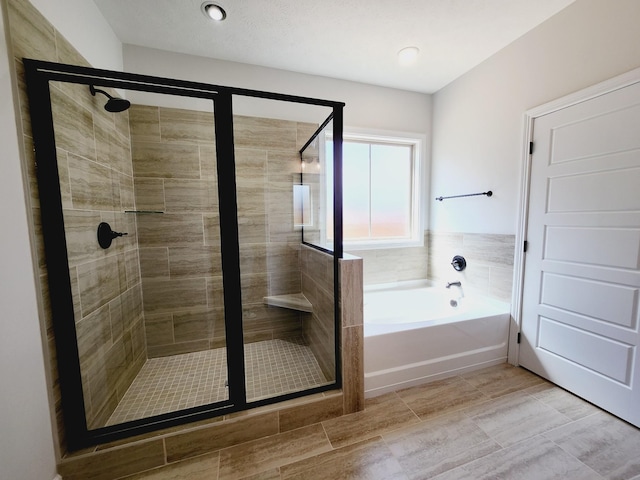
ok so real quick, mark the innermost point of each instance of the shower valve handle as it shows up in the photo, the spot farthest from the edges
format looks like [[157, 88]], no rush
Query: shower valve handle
[[106, 235]]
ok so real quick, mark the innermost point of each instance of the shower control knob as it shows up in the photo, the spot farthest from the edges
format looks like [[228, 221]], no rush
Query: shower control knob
[[459, 263], [106, 235]]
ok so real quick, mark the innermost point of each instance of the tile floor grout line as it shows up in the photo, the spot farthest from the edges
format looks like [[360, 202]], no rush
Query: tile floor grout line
[[569, 453]]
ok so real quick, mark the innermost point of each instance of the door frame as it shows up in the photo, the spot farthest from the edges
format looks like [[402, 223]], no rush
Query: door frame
[[616, 83]]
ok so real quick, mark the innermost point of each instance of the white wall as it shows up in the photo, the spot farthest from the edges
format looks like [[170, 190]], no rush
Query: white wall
[[366, 105], [26, 442], [478, 119], [82, 24]]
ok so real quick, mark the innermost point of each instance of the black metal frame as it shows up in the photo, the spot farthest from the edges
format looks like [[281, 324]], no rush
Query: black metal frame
[[38, 74], [337, 252]]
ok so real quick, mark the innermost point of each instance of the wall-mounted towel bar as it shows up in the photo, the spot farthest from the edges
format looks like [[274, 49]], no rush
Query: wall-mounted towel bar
[[488, 194]]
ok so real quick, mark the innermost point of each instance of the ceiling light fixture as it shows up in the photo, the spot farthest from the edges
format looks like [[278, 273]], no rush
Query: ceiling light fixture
[[213, 11], [408, 55]]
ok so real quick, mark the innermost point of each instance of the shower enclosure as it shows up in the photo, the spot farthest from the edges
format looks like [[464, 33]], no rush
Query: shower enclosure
[[185, 244]]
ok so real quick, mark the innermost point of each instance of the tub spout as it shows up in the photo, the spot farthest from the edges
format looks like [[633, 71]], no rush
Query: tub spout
[[455, 301]]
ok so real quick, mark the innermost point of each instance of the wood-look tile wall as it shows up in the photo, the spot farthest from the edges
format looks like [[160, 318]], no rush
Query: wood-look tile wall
[[319, 327], [352, 332], [94, 158], [174, 162], [180, 249], [96, 182], [489, 262]]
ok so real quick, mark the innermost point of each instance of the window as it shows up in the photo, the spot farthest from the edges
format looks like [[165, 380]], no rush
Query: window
[[302, 209], [381, 191]]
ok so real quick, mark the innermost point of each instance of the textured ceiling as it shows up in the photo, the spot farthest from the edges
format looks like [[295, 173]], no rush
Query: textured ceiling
[[348, 39]]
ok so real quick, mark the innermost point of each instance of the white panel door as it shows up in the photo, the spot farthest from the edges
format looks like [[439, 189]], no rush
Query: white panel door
[[580, 325]]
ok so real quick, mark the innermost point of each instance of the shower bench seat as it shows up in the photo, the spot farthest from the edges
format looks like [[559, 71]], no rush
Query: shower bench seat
[[293, 301]]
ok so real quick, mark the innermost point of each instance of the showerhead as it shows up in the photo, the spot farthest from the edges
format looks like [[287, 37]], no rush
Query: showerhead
[[114, 104]]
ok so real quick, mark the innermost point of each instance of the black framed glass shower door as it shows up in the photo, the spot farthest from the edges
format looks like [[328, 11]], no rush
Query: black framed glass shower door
[[160, 184], [138, 218]]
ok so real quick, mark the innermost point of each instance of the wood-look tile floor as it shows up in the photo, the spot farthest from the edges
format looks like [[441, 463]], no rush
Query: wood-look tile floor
[[502, 422]]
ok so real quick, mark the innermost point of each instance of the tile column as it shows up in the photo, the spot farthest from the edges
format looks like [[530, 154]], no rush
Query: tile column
[[352, 333]]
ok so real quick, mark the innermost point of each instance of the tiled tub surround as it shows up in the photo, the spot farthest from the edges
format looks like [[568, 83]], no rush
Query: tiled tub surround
[[180, 249], [489, 262], [32, 36], [388, 265]]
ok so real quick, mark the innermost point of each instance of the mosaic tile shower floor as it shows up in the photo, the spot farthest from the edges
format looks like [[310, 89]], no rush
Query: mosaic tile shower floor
[[165, 384]]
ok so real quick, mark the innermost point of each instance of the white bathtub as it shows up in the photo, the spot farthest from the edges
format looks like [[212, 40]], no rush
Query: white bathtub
[[413, 335]]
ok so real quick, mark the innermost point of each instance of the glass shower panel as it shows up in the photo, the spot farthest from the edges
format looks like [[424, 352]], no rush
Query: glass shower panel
[[317, 177], [317, 261], [139, 195], [279, 358]]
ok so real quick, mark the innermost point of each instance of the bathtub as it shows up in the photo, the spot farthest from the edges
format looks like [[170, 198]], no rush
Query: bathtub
[[413, 335]]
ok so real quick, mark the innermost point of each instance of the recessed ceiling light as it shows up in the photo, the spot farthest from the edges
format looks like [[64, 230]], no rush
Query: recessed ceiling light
[[408, 55], [213, 11]]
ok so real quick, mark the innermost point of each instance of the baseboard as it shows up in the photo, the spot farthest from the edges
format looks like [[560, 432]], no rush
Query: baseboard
[[57, 477]]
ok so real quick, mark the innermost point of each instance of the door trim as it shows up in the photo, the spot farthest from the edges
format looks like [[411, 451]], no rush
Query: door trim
[[616, 83]]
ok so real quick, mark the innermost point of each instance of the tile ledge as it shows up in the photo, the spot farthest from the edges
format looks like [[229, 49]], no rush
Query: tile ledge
[[292, 301]]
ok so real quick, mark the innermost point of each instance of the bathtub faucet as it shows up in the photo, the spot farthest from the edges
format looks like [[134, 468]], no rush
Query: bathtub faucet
[[454, 284]]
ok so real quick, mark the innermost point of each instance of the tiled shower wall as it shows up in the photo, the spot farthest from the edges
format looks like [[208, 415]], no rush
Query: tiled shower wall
[[267, 166], [94, 161], [96, 182], [174, 173], [180, 248], [319, 326]]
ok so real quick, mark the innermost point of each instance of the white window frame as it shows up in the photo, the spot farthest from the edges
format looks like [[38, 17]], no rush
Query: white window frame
[[419, 190]]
